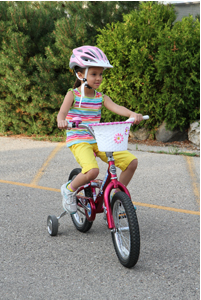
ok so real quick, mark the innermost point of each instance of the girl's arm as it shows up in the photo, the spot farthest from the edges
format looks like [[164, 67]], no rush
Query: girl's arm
[[121, 110], [66, 105]]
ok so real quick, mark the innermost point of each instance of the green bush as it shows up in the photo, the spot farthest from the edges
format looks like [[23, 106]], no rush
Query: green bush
[[36, 41], [156, 65], [178, 68], [28, 97]]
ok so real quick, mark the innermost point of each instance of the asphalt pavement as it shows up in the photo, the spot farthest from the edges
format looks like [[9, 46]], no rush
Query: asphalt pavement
[[73, 265]]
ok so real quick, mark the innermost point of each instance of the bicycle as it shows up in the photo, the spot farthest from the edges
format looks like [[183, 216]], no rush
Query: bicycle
[[120, 212]]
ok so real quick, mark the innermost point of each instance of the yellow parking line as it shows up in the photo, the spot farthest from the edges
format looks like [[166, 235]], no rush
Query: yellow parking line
[[30, 185], [192, 172], [191, 212], [46, 163]]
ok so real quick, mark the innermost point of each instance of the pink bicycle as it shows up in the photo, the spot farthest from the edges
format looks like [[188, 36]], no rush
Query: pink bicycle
[[94, 197]]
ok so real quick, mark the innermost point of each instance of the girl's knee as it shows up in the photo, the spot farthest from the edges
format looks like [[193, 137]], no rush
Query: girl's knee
[[92, 174], [133, 165]]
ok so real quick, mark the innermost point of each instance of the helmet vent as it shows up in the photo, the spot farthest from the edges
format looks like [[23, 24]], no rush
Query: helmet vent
[[86, 58], [91, 54], [94, 53], [100, 53]]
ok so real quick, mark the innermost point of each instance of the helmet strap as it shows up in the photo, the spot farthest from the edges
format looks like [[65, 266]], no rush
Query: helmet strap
[[88, 86], [83, 85]]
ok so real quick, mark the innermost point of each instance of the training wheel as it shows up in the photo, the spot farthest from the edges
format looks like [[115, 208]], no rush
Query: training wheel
[[52, 225]]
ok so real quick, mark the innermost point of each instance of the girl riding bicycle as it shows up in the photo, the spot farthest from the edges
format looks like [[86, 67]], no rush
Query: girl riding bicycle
[[85, 102]]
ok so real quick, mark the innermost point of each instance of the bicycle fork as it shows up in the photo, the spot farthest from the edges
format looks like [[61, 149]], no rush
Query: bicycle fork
[[113, 184]]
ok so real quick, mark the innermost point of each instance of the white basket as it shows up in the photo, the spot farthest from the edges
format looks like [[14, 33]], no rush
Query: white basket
[[111, 137]]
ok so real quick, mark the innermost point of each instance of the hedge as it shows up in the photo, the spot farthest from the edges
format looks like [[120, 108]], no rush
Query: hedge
[[156, 63]]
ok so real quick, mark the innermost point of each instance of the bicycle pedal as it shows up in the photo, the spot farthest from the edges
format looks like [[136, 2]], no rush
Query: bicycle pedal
[[89, 209], [122, 215], [81, 200]]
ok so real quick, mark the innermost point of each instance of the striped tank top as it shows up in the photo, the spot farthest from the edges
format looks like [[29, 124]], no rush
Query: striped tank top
[[89, 111]]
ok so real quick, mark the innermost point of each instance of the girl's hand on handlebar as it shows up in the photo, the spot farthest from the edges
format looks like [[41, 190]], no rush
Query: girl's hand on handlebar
[[138, 118], [63, 124]]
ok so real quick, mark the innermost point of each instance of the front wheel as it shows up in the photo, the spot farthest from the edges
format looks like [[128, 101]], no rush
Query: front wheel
[[79, 218], [126, 238]]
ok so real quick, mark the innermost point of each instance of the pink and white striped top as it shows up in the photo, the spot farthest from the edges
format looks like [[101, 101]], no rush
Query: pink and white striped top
[[90, 112]]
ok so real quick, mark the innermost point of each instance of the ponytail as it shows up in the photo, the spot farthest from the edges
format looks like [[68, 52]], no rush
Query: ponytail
[[78, 82]]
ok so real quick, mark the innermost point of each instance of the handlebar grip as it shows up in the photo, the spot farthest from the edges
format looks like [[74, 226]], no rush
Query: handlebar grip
[[130, 120], [133, 119], [75, 122]]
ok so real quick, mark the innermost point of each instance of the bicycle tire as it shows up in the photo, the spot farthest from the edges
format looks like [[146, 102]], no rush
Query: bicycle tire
[[52, 225], [126, 238], [79, 219]]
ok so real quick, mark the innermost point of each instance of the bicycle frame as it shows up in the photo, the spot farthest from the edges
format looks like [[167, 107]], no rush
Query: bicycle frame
[[103, 196]]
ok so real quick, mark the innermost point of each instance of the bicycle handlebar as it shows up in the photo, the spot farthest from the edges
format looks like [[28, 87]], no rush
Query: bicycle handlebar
[[78, 120], [133, 119]]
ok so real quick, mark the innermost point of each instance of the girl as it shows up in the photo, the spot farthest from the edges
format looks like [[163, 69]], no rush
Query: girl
[[84, 101]]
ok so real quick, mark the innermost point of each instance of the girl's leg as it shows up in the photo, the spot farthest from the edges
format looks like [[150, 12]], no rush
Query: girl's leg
[[84, 154], [126, 162], [127, 174], [122, 159], [82, 179]]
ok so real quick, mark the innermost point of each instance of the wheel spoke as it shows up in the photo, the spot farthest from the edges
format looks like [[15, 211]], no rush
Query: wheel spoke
[[126, 238], [122, 228], [79, 218]]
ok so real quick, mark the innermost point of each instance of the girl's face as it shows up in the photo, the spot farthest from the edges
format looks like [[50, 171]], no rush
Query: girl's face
[[94, 77]]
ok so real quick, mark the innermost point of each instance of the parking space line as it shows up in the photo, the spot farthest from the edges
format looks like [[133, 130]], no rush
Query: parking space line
[[192, 171], [46, 163], [30, 185], [190, 212]]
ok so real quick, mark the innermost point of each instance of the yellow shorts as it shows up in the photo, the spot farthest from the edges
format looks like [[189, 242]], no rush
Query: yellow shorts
[[84, 155]]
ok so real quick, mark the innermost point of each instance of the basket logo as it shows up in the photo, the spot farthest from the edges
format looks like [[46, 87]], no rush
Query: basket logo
[[127, 129], [118, 138]]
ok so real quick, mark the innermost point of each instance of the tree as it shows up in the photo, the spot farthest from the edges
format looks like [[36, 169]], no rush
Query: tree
[[36, 42], [26, 29], [93, 15], [156, 65]]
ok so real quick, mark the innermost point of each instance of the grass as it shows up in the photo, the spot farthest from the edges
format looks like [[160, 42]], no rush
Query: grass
[[172, 151], [177, 153], [36, 137], [49, 138]]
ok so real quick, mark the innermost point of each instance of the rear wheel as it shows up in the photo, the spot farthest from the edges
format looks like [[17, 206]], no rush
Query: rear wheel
[[79, 218], [126, 238]]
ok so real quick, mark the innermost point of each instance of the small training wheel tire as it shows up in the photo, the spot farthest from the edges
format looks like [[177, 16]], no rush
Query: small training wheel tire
[[52, 225]]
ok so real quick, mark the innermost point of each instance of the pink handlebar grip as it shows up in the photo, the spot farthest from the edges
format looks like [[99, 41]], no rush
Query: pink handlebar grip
[[76, 120]]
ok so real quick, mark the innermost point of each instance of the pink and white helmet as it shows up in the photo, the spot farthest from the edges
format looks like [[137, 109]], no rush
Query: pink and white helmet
[[89, 56]]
